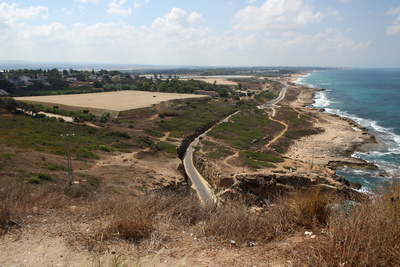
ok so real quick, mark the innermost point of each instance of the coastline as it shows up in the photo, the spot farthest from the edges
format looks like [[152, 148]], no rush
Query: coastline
[[333, 148]]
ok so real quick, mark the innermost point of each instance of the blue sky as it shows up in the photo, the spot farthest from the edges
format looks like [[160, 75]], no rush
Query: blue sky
[[340, 33]]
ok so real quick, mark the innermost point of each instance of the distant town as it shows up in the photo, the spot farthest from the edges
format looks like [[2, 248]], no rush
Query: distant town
[[33, 82]]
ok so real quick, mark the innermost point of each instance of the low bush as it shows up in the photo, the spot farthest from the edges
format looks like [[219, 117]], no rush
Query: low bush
[[167, 147], [33, 180], [104, 148], [85, 153], [45, 176], [55, 167], [309, 208], [5, 218], [154, 133]]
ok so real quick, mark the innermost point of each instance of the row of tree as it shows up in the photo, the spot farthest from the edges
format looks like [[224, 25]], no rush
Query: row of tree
[[56, 81]]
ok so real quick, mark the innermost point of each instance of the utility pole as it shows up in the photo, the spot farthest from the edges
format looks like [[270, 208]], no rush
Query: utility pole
[[312, 159], [69, 162]]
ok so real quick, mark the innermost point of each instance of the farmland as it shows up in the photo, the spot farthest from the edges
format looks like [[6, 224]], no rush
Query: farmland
[[112, 102]]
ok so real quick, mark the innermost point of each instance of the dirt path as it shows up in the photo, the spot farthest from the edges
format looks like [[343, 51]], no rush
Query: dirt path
[[230, 157], [280, 135]]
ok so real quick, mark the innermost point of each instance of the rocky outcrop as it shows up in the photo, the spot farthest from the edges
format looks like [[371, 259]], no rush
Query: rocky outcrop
[[258, 189]]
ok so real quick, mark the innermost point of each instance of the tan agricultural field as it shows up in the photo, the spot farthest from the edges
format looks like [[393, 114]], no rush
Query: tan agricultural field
[[113, 102]]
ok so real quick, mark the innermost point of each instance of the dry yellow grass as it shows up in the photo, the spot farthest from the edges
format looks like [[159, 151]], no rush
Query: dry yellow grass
[[113, 102]]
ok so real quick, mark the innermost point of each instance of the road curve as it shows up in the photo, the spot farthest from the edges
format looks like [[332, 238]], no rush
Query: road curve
[[273, 103], [202, 187]]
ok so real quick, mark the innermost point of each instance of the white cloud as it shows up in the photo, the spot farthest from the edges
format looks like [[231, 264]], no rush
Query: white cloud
[[394, 28], [115, 7], [140, 3], [177, 19], [277, 15], [251, 1], [10, 14], [95, 2], [329, 40]]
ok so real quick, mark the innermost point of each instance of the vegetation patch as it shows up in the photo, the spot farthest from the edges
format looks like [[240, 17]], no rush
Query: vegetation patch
[[220, 153], [261, 156], [104, 148], [258, 160], [33, 180], [85, 153], [55, 167], [168, 113], [204, 114], [244, 130], [164, 146], [155, 133]]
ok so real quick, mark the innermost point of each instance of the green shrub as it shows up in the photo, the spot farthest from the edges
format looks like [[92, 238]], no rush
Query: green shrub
[[143, 141], [102, 119], [154, 133], [167, 147], [40, 116], [55, 167], [60, 119], [261, 156], [85, 153], [45, 176], [33, 180], [104, 148]]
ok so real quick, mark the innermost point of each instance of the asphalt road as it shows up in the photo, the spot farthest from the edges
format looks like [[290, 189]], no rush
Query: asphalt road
[[198, 182], [275, 101], [202, 187]]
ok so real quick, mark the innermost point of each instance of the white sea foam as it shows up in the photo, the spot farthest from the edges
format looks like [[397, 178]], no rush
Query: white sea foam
[[321, 100], [387, 135], [388, 151], [300, 79]]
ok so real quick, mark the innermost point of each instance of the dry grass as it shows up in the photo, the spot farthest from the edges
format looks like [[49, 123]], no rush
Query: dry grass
[[309, 208], [361, 234], [356, 234]]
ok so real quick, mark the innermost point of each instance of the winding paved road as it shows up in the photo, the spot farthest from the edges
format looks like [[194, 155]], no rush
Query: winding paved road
[[202, 187]]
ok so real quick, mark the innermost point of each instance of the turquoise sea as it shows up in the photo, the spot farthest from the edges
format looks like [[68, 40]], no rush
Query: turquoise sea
[[370, 97]]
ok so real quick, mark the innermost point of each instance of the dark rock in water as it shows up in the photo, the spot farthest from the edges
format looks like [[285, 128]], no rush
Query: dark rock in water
[[355, 185]]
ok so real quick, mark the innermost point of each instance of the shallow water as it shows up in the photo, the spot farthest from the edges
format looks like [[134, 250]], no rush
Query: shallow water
[[370, 97]]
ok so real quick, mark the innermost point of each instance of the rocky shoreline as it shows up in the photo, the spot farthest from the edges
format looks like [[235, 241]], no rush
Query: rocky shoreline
[[314, 159]]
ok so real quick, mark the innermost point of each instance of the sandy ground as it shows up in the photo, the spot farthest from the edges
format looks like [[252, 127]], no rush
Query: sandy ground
[[113, 101], [337, 141], [218, 81]]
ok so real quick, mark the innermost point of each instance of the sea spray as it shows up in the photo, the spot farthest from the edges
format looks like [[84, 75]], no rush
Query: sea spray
[[370, 97]]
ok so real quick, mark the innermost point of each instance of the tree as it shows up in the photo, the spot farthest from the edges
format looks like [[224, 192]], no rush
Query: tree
[[97, 84], [223, 93], [10, 104], [239, 86]]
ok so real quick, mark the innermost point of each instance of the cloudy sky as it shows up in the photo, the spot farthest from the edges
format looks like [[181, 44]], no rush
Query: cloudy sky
[[346, 33]]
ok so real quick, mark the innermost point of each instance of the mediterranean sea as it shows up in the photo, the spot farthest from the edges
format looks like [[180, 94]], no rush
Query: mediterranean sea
[[370, 97]]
